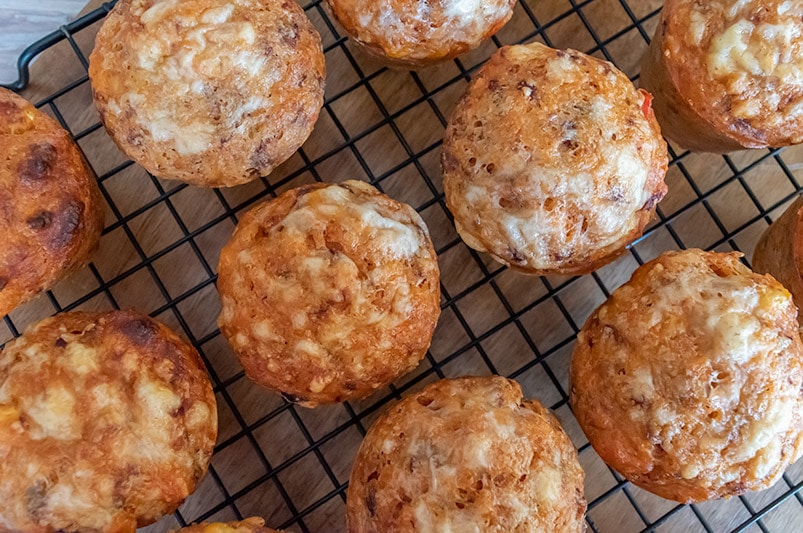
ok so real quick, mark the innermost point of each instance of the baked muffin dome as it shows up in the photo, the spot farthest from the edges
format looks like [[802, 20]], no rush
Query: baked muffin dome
[[780, 250], [553, 162], [728, 75], [407, 33], [249, 525], [210, 92], [329, 292], [107, 422], [466, 454], [51, 211], [688, 379]]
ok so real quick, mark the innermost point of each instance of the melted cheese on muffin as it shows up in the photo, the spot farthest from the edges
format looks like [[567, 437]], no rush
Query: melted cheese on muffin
[[210, 92], [417, 33], [552, 162], [107, 422], [745, 59], [467, 454], [701, 365], [329, 291]]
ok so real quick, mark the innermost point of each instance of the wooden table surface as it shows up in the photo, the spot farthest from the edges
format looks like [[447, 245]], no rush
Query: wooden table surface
[[242, 460], [22, 23]]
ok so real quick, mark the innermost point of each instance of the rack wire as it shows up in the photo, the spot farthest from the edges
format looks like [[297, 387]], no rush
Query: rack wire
[[290, 465]]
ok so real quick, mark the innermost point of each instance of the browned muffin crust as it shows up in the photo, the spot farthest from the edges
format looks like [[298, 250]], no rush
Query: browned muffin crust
[[780, 251], [210, 92], [728, 75], [329, 292], [249, 525], [552, 162], [466, 454], [414, 34], [688, 379], [51, 211], [107, 422]]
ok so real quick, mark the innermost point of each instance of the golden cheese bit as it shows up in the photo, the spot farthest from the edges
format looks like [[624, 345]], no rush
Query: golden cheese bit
[[249, 525], [107, 422], [466, 454], [687, 380]]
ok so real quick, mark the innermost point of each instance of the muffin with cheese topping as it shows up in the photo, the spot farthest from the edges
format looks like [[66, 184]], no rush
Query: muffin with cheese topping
[[107, 422], [210, 92], [51, 210], [552, 162], [688, 379], [249, 525], [329, 292], [780, 250], [414, 34], [728, 75], [466, 454]]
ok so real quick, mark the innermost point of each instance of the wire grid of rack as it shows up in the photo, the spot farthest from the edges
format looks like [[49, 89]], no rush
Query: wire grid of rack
[[290, 465]]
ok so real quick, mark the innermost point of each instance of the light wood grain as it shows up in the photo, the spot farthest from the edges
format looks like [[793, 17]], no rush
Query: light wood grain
[[538, 320], [22, 23]]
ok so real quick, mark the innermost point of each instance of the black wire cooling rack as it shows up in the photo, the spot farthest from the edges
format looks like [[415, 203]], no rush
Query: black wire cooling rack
[[290, 465]]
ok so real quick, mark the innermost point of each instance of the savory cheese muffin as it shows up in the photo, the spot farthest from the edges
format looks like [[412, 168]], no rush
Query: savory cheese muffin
[[780, 250], [210, 92], [413, 34], [728, 75], [466, 454], [329, 292], [51, 210], [107, 422], [249, 525], [553, 162], [688, 379]]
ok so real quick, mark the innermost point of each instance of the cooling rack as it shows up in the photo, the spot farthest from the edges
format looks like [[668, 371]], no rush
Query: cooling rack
[[161, 243]]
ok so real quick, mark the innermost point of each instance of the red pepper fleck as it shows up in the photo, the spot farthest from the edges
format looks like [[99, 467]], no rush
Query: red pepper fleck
[[646, 106]]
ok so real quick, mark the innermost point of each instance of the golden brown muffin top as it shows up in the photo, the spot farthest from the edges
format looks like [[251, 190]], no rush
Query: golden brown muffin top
[[779, 251], [740, 64], [211, 92], [688, 379], [418, 33], [51, 212], [107, 422], [329, 291], [249, 525], [466, 454], [552, 161]]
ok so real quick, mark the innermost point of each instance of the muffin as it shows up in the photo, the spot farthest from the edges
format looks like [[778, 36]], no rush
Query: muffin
[[413, 34], [687, 380], [249, 525], [780, 250], [210, 92], [727, 75], [51, 211], [329, 292], [466, 454], [553, 162], [107, 422]]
